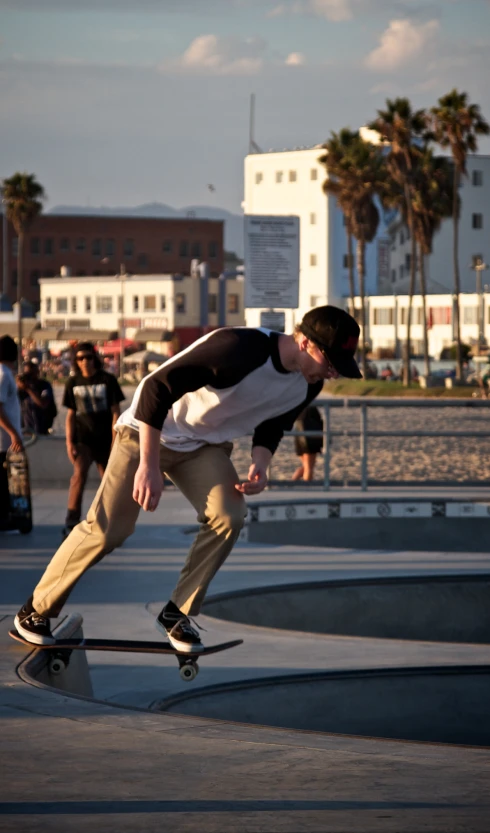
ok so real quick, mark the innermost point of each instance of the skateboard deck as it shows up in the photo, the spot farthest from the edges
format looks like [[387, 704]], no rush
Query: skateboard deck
[[20, 514], [61, 650]]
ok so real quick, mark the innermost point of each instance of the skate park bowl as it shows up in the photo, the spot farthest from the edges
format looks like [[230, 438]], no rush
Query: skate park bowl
[[448, 608], [421, 524], [441, 704]]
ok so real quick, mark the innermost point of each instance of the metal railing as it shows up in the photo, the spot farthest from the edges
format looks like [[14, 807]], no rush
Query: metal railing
[[364, 433]]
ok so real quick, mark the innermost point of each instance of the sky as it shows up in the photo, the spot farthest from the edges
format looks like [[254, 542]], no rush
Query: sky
[[119, 103]]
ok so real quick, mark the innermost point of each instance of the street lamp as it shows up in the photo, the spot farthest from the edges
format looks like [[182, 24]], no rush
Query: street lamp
[[122, 329]]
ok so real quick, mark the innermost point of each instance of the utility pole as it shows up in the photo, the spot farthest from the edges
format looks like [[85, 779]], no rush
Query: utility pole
[[122, 329], [479, 266]]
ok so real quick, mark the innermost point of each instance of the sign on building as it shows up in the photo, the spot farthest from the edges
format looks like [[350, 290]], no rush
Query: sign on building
[[272, 320], [271, 262]]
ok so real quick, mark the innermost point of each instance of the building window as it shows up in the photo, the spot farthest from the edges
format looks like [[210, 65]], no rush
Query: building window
[[110, 248], [64, 244], [402, 238], [120, 303], [136, 303], [74, 304], [477, 178], [212, 303], [35, 275], [142, 260], [258, 178], [393, 276], [278, 176], [180, 302], [62, 305], [184, 248], [97, 247], [196, 249], [14, 277], [233, 304], [88, 303], [292, 176], [312, 219], [313, 173], [150, 303], [470, 315], [312, 260], [408, 261], [315, 300], [128, 247], [103, 303], [167, 246], [440, 315], [35, 246], [477, 221], [48, 305], [212, 249], [80, 244], [48, 246], [402, 270], [346, 262], [384, 315]]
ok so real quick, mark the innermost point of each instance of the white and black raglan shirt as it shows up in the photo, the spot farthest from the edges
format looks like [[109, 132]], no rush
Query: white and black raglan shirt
[[227, 384]]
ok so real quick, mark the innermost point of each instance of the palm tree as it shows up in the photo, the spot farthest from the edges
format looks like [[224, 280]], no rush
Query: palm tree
[[401, 127], [456, 125], [23, 197], [336, 147], [432, 203], [358, 170]]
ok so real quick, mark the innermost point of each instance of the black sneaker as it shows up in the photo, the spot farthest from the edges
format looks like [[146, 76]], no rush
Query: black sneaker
[[178, 628], [32, 626]]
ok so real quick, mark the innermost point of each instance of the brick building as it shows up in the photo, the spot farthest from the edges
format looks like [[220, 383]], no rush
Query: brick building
[[98, 245]]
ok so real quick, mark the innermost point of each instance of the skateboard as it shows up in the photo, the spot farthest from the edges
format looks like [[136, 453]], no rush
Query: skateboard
[[19, 487], [61, 651]]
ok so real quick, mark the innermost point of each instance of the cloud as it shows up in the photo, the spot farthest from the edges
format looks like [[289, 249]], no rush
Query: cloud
[[336, 10], [217, 55], [295, 59], [401, 43]]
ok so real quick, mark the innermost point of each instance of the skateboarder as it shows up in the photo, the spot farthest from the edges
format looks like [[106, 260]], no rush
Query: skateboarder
[[184, 415], [10, 421]]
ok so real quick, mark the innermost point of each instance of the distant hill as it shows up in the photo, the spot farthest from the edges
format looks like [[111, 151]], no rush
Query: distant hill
[[233, 222]]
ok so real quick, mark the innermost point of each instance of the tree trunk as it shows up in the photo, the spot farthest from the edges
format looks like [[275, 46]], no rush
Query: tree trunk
[[350, 257], [413, 256], [20, 267], [361, 246], [423, 293], [457, 308]]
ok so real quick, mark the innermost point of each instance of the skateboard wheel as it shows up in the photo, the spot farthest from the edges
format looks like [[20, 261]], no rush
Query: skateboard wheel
[[189, 671], [57, 666]]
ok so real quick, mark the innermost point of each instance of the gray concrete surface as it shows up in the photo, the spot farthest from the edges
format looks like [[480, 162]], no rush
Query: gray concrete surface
[[74, 763]]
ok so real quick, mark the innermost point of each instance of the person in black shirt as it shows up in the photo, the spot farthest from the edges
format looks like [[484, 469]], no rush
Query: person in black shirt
[[36, 399], [92, 397]]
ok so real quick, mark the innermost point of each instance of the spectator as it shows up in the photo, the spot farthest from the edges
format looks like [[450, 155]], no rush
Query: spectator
[[92, 397], [308, 448], [37, 400], [10, 425]]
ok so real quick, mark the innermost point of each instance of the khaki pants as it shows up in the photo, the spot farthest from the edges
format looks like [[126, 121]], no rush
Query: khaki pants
[[206, 477]]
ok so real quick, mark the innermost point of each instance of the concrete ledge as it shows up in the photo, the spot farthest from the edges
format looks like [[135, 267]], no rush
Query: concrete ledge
[[74, 675]]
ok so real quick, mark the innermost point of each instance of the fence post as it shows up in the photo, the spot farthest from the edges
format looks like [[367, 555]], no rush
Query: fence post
[[326, 446], [364, 448]]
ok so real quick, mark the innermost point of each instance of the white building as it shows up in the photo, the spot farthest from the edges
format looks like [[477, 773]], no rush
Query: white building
[[290, 182], [150, 308], [474, 239], [386, 317]]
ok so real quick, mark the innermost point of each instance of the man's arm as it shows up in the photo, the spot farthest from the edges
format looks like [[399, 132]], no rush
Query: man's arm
[[257, 473], [70, 426], [148, 480], [16, 439]]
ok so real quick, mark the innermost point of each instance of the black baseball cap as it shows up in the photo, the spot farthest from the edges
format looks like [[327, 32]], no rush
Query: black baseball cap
[[336, 333]]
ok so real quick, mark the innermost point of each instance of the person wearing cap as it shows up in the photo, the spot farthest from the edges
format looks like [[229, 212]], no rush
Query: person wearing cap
[[182, 421]]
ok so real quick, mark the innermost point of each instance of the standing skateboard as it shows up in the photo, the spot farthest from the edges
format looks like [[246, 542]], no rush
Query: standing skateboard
[[20, 514], [61, 651]]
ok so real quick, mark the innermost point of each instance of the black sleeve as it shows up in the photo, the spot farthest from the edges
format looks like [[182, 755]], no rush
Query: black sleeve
[[115, 394], [68, 398], [270, 433], [221, 360]]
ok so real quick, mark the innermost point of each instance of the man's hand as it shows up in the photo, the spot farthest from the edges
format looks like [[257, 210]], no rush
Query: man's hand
[[148, 487], [16, 443], [256, 483], [72, 452]]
